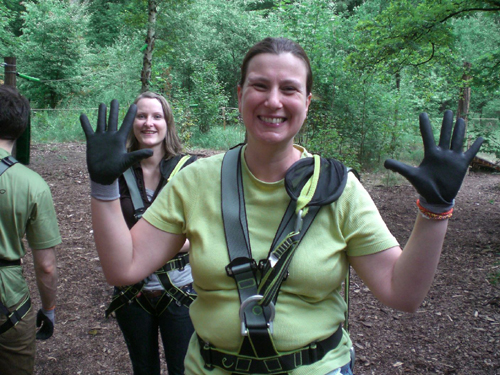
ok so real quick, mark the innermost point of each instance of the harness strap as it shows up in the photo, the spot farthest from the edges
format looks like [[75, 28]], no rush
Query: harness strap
[[172, 293], [15, 316], [8, 263], [135, 195], [167, 172], [256, 320], [175, 293], [282, 363], [126, 296], [6, 163]]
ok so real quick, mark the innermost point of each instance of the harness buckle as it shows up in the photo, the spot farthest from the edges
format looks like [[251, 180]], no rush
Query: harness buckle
[[245, 303], [138, 213], [241, 265]]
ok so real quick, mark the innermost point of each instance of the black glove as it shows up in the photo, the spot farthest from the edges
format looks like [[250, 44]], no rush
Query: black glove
[[46, 323], [439, 177], [107, 156]]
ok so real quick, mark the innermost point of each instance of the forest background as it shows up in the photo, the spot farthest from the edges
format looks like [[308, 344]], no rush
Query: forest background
[[376, 63]]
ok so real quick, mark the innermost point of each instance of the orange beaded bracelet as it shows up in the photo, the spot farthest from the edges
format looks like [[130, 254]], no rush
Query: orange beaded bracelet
[[432, 215]]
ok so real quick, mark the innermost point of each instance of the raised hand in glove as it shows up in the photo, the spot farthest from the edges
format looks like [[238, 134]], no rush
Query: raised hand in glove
[[107, 156], [440, 174], [45, 320]]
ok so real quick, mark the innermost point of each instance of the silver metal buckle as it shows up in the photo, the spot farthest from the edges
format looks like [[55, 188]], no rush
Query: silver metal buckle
[[257, 297]]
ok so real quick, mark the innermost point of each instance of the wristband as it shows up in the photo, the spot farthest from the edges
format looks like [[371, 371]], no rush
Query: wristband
[[433, 215], [105, 192], [435, 208]]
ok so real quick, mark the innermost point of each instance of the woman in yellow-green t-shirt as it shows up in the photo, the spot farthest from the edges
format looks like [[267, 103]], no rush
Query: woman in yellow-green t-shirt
[[303, 327]]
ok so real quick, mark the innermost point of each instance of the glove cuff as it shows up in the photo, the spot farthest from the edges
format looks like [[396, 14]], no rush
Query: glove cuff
[[435, 208], [51, 314], [105, 192]]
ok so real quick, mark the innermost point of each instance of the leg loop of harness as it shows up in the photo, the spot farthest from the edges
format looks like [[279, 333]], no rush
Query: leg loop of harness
[[16, 316]]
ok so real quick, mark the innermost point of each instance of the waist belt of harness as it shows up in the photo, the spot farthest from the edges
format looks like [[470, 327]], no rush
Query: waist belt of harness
[[15, 316], [8, 263], [240, 364], [132, 293]]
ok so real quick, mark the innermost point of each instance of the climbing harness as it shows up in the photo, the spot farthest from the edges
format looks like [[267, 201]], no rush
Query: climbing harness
[[131, 293], [311, 183]]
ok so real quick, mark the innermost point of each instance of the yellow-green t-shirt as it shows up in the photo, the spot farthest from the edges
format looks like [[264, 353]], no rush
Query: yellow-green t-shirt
[[309, 305]]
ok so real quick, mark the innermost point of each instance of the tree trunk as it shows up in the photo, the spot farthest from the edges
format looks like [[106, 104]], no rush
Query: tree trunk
[[10, 71], [464, 101], [150, 41]]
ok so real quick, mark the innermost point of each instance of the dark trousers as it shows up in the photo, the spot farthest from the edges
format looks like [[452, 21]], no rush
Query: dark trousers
[[140, 330]]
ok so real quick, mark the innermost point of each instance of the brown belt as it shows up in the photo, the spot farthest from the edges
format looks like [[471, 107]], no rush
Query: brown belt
[[150, 294]]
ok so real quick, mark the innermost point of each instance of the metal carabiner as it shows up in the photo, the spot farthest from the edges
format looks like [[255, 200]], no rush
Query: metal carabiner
[[257, 297]]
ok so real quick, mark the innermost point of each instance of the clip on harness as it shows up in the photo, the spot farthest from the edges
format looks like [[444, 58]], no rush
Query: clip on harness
[[311, 183], [132, 293], [17, 315]]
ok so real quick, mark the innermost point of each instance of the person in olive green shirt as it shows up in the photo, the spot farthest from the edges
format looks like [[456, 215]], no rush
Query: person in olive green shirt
[[26, 208]]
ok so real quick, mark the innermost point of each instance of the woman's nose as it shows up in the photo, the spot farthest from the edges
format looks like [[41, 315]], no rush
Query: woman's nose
[[274, 98]]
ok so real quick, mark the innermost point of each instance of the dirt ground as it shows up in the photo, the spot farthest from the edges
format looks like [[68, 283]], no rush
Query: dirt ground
[[456, 330]]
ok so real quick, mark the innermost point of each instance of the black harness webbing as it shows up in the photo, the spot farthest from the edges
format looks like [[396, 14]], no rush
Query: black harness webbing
[[9, 263], [257, 352], [6, 163], [15, 316], [240, 364], [132, 293]]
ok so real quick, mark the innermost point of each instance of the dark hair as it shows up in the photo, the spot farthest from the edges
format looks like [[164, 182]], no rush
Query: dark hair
[[171, 144], [277, 46], [14, 113]]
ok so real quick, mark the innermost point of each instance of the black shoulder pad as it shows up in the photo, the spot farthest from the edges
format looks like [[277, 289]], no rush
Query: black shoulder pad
[[167, 166], [331, 184]]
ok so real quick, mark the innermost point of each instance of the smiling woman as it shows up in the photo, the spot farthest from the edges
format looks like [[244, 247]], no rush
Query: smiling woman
[[273, 100], [144, 308], [248, 211], [150, 125]]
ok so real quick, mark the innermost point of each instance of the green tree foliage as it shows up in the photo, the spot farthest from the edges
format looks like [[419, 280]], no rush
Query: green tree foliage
[[376, 63], [106, 22], [51, 48], [412, 33], [6, 35], [14, 9]]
